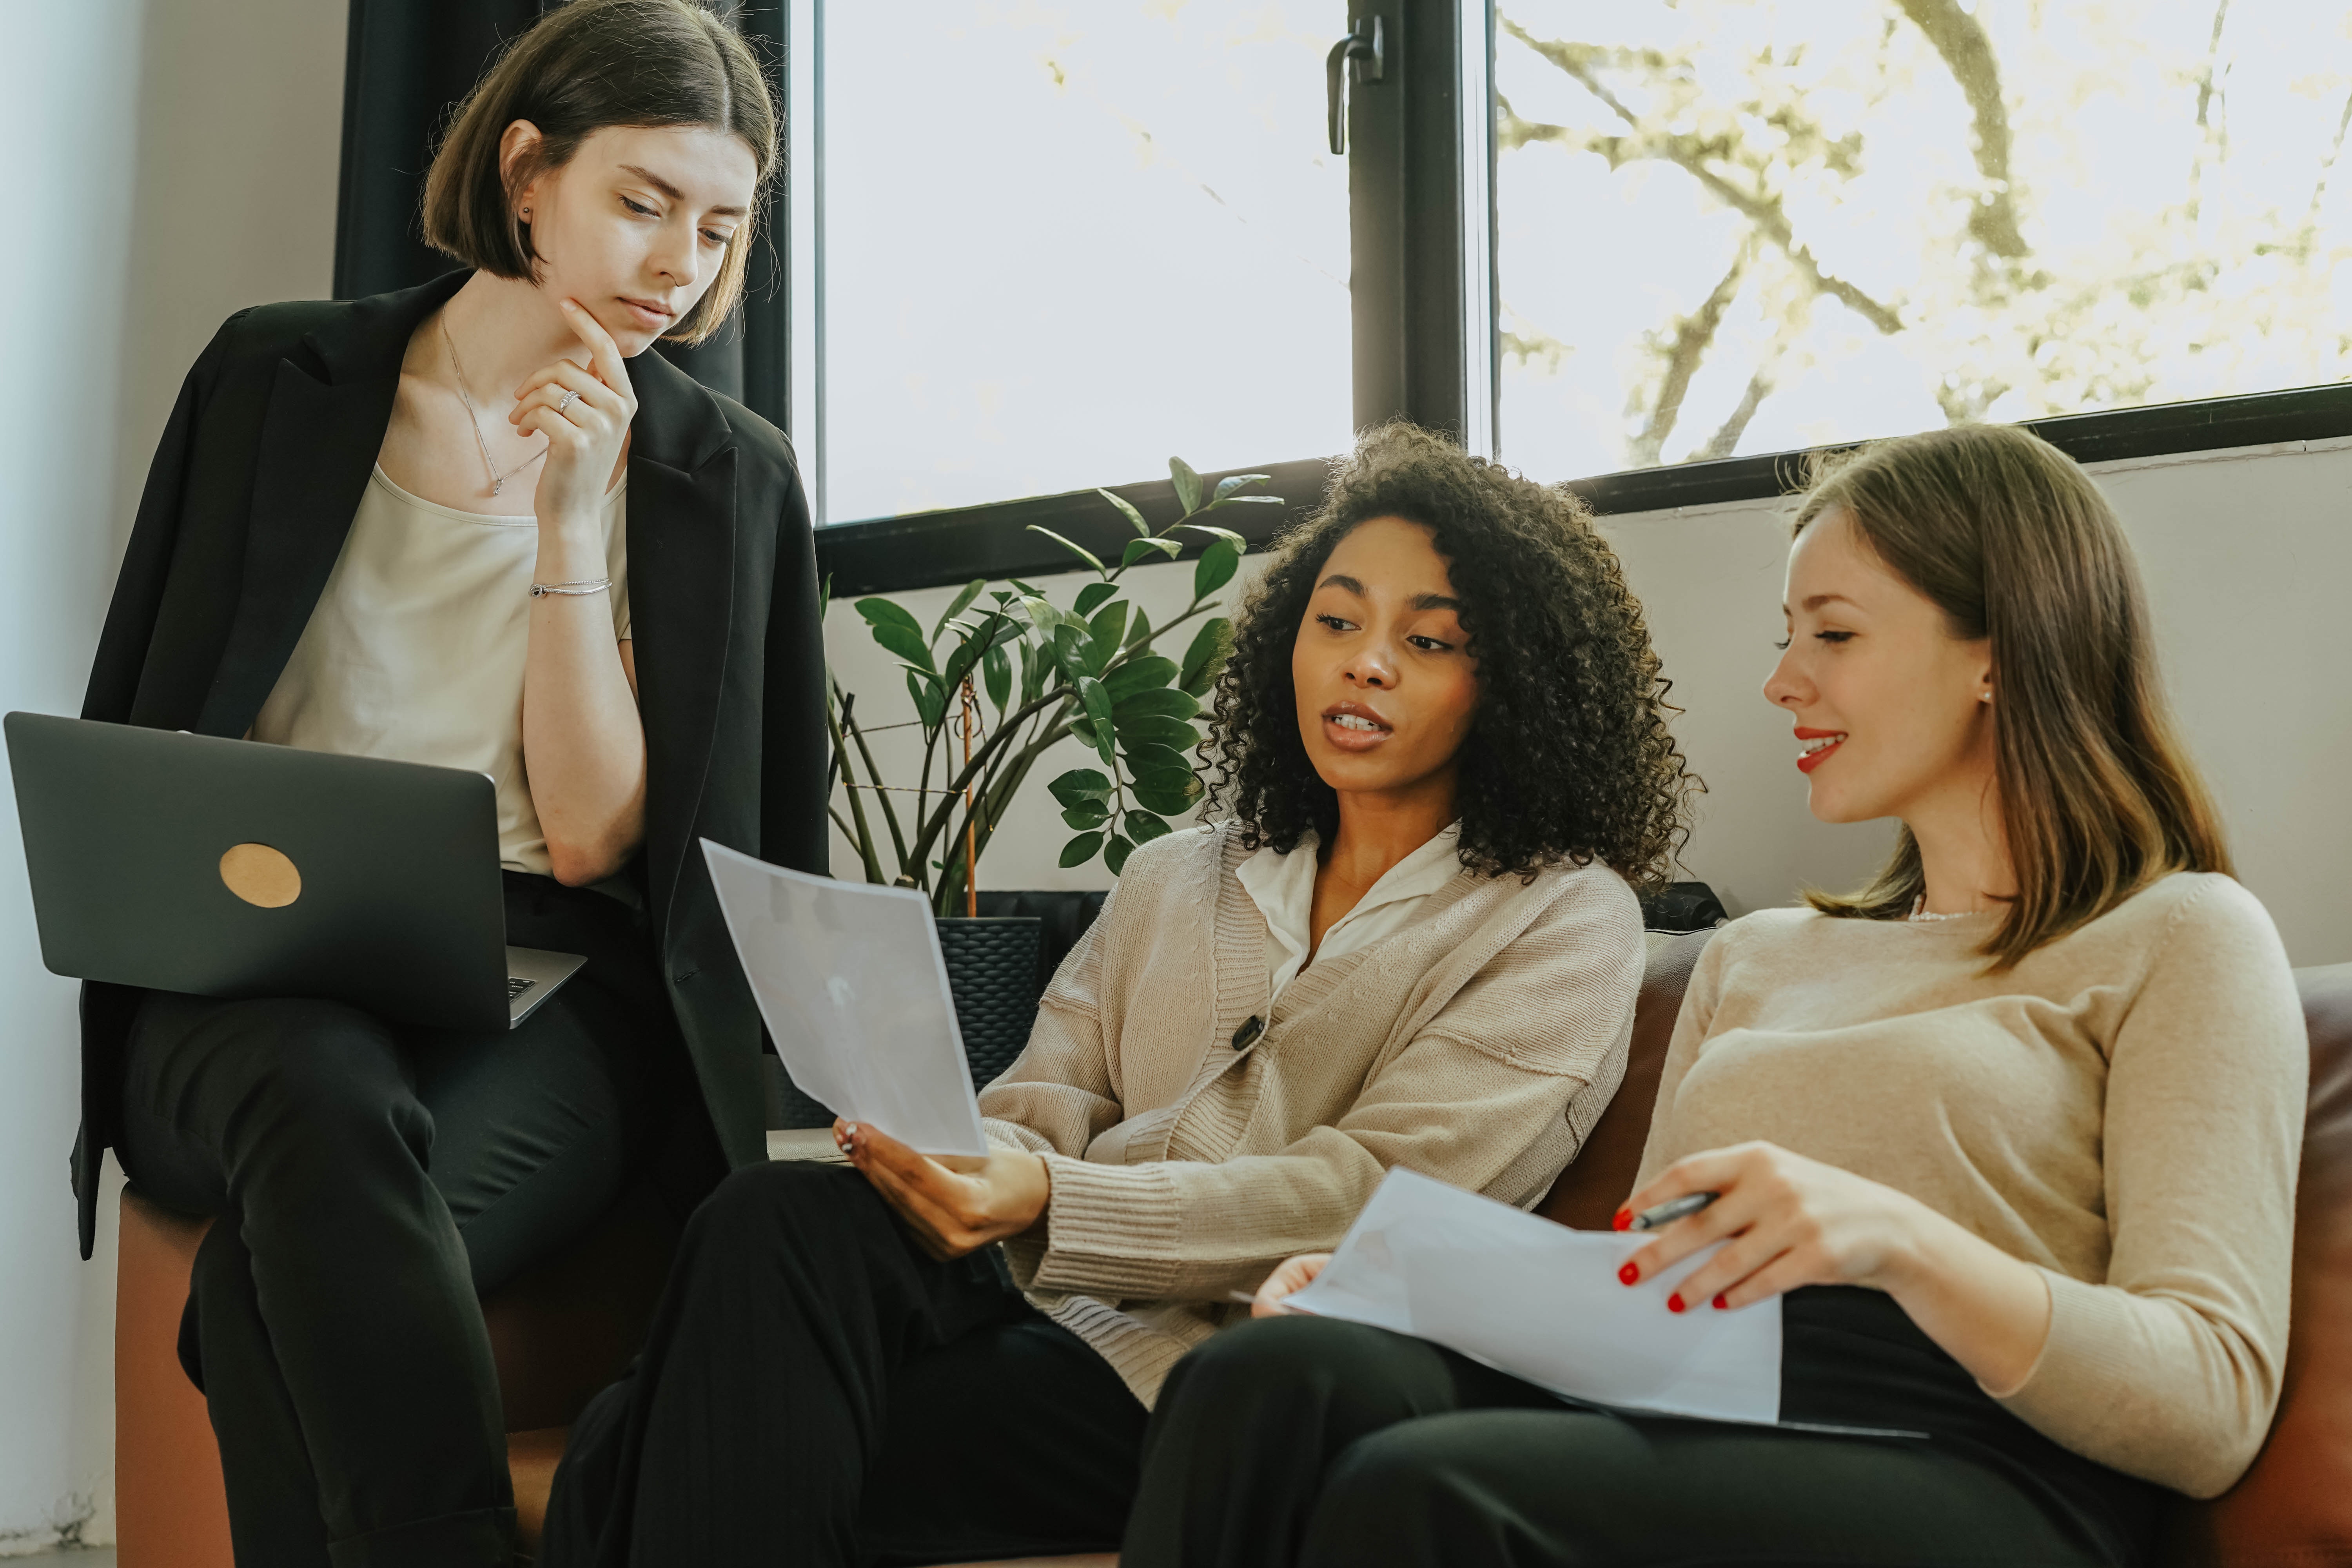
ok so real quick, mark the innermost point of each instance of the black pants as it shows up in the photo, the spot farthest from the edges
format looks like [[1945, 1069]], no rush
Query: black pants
[[817, 1391], [371, 1181], [1330, 1444]]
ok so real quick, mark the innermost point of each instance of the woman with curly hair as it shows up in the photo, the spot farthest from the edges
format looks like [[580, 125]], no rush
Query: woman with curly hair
[[1413, 938]]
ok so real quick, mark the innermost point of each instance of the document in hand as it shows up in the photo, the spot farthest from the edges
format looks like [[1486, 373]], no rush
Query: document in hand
[[1543, 1303], [851, 983]]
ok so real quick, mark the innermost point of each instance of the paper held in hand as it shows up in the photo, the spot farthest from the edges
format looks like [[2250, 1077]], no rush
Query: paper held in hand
[[855, 993], [1543, 1303]]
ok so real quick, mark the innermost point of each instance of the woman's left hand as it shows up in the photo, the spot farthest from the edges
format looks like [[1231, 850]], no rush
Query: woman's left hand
[[954, 1206], [1790, 1221], [585, 436]]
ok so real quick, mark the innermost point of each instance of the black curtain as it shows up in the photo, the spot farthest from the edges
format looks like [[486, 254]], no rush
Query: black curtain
[[407, 64]]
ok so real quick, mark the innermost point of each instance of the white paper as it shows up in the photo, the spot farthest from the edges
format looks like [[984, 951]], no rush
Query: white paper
[[851, 983], [1544, 1303]]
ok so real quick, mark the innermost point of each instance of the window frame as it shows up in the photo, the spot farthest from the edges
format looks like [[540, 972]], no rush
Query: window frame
[[1417, 146]]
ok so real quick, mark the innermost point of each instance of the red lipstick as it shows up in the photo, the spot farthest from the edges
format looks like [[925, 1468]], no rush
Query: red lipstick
[[1813, 754]]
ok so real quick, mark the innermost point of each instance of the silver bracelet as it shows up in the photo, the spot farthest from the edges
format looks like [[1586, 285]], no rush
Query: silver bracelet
[[541, 590]]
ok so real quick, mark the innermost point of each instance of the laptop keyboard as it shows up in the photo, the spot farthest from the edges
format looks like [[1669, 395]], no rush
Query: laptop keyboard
[[517, 985]]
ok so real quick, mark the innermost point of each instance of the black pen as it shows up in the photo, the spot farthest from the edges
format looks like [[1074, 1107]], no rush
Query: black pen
[[1672, 1210]]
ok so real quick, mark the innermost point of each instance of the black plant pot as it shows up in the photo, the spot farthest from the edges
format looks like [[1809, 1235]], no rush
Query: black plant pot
[[992, 971]]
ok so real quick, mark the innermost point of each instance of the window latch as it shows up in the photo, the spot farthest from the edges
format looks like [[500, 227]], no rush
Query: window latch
[[1363, 56]]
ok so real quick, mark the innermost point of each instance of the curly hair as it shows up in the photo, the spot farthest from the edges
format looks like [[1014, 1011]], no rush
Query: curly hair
[[1569, 756]]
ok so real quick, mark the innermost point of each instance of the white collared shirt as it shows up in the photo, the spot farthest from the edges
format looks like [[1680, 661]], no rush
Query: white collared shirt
[[1283, 888]]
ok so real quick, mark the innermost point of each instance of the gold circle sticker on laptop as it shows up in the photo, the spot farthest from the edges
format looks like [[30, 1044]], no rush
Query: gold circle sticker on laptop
[[260, 875]]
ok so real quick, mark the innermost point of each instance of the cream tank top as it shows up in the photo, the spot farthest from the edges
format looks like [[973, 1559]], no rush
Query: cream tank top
[[415, 649]]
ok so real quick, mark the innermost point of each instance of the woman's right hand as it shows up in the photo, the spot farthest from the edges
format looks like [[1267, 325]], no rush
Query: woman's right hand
[[1294, 1275]]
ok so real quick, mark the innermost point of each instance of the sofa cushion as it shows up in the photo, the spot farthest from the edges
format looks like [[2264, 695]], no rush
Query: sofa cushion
[[2294, 1508], [1587, 1195]]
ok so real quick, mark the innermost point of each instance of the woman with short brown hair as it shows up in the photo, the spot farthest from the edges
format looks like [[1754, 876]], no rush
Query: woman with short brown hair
[[328, 556], [2012, 1133]]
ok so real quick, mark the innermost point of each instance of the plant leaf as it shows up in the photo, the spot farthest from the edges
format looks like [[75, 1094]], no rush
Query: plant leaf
[[1070, 651], [1168, 794], [879, 611], [1127, 509], [1087, 813], [930, 702], [1143, 826], [1097, 703], [1081, 850], [1043, 614], [1215, 568], [1092, 596], [1146, 672], [1138, 630], [1152, 730], [1188, 484], [1214, 532], [896, 630], [996, 669], [1080, 551], [1034, 664], [962, 603], [1243, 501], [1159, 702], [959, 664], [1206, 656], [1137, 549], [1079, 784], [1232, 482], [1107, 629], [1115, 854], [1150, 757]]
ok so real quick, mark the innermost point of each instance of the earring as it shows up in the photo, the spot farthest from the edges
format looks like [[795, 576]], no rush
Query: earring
[[526, 214], [1984, 696]]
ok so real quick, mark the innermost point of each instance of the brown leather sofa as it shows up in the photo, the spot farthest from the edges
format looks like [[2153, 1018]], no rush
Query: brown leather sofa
[[562, 1331]]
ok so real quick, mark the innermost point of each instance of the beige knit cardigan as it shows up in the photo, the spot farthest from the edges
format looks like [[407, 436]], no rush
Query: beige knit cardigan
[[1478, 1045]]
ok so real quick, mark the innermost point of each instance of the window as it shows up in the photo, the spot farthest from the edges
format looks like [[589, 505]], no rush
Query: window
[[1730, 227], [1650, 247], [1043, 246]]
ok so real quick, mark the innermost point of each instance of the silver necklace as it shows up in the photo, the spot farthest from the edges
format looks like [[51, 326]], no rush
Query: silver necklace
[[474, 422], [1919, 911]]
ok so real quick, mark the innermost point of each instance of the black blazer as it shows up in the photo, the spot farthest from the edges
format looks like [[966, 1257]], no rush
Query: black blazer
[[254, 485]]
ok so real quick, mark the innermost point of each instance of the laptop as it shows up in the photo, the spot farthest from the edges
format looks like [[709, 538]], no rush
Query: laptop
[[217, 868]]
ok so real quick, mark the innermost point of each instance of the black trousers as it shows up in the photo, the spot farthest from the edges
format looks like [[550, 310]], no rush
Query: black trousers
[[371, 1180], [1331, 1445], [817, 1391]]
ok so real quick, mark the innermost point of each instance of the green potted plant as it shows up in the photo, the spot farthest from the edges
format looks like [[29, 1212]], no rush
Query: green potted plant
[[998, 681]]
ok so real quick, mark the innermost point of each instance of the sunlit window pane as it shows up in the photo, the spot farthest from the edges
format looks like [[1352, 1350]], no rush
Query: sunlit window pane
[[1064, 241], [1729, 227]]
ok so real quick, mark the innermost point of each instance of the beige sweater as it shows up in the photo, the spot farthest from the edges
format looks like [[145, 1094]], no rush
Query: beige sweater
[[2124, 1110], [1478, 1045]]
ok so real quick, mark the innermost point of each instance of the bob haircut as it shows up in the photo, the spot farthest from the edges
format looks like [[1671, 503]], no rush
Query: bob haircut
[[2008, 537], [1569, 757], [594, 64]]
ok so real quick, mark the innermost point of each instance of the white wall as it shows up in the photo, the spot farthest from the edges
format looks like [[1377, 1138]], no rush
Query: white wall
[[2248, 561], [183, 164]]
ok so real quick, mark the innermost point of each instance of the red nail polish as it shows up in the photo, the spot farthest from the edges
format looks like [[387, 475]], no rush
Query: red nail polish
[[1675, 1302], [1721, 1305], [1629, 1274], [1621, 1219]]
